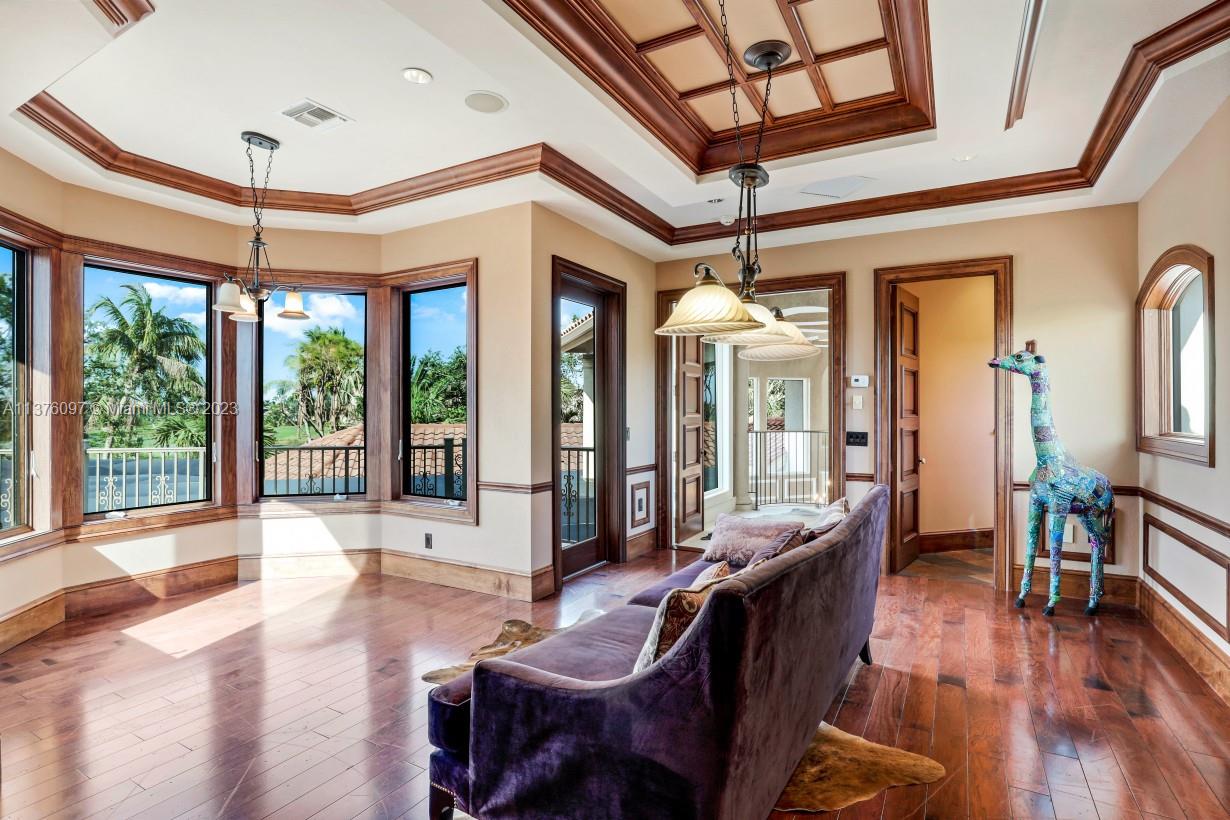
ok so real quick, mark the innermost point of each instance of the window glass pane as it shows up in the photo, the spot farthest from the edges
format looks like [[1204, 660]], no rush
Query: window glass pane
[[146, 391], [314, 374], [437, 393], [709, 414], [1189, 360], [13, 418]]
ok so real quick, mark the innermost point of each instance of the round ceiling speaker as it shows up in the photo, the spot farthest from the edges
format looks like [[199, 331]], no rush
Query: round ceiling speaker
[[486, 102]]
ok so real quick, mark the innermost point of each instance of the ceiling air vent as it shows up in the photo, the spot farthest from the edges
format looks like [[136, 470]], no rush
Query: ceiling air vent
[[314, 115]]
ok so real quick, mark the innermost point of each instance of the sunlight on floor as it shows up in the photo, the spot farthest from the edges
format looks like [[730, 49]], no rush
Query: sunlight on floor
[[194, 627]]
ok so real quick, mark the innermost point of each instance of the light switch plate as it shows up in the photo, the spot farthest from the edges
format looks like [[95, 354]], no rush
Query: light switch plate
[[858, 402]]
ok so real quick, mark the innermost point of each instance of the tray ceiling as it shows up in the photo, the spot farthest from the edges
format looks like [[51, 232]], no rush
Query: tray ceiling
[[860, 71]]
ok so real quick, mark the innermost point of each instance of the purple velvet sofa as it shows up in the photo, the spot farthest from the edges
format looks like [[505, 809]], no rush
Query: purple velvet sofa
[[563, 729]]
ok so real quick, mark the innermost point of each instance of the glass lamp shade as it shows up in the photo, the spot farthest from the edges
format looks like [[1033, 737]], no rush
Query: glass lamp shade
[[770, 334], [797, 347], [247, 310], [228, 298], [709, 307], [294, 306]]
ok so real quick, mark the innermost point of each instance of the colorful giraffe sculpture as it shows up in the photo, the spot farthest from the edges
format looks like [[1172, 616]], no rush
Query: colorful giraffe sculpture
[[1059, 486]]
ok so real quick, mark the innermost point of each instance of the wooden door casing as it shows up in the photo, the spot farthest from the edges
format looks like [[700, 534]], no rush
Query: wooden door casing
[[906, 416]]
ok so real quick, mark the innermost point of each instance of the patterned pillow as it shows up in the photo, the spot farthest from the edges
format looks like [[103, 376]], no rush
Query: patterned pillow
[[830, 517], [736, 538], [676, 613], [782, 544]]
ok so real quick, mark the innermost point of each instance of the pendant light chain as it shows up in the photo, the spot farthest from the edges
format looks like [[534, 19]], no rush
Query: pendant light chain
[[730, 70]]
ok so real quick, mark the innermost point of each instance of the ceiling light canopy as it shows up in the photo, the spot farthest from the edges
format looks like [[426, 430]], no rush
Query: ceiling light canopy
[[240, 295]]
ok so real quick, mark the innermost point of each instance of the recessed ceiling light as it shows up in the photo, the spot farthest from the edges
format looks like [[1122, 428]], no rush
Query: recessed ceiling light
[[486, 102], [964, 157], [418, 76]]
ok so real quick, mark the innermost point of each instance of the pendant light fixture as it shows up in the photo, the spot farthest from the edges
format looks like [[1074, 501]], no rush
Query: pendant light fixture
[[709, 307], [764, 56], [795, 347], [240, 295]]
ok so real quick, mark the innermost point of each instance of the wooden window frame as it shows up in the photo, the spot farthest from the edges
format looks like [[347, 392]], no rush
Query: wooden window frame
[[1166, 281], [259, 409], [210, 498], [23, 444], [403, 283]]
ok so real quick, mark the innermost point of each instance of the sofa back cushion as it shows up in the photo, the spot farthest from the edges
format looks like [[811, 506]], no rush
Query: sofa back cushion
[[779, 638], [737, 538]]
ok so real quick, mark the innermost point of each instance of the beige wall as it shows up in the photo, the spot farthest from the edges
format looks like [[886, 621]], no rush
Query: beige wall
[[1075, 276], [1190, 204], [956, 321]]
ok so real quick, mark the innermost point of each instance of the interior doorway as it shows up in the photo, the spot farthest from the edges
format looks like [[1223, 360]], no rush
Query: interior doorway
[[752, 438], [588, 418], [944, 419]]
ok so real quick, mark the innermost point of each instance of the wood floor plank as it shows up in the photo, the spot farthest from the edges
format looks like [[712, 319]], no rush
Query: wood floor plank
[[302, 698]]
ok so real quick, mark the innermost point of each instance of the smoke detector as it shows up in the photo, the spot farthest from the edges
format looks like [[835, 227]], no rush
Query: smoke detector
[[314, 115]]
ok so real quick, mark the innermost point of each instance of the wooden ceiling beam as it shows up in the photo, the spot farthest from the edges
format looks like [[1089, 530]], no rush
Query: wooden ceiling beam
[[670, 39], [805, 53], [714, 36], [752, 77]]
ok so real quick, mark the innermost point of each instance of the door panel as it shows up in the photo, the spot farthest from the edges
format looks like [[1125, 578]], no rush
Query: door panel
[[689, 453], [906, 426]]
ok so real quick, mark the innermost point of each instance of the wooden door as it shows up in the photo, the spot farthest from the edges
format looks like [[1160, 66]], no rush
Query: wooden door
[[689, 446], [905, 426]]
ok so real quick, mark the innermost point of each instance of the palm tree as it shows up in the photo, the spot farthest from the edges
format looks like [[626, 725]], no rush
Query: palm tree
[[156, 355], [180, 431], [328, 368]]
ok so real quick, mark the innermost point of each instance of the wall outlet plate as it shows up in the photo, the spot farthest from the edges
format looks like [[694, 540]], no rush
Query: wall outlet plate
[[854, 439]]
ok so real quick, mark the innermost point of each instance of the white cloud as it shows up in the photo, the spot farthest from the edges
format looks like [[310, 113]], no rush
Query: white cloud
[[325, 310], [196, 317], [176, 294]]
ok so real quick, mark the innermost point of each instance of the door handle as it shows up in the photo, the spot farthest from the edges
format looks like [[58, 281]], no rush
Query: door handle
[[922, 460]]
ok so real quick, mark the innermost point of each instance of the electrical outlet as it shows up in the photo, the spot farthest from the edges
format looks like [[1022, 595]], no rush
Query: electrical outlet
[[427, 541], [856, 439]]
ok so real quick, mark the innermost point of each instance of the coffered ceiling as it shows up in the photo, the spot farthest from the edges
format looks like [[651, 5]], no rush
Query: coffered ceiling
[[860, 69], [890, 114]]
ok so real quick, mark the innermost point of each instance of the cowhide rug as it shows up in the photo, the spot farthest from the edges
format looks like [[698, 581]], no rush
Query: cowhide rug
[[839, 769]]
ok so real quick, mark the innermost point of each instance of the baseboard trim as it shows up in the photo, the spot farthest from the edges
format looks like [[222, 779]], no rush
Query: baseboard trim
[[950, 540], [641, 544], [36, 617], [112, 594], [1209, 661], [1074, 583], [344, 563], [521, 587]]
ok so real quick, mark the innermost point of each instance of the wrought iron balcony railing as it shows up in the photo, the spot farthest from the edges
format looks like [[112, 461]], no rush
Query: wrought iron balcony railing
[[437, 470], [578, 503], [124, 478], [314, 470], [788, 466]]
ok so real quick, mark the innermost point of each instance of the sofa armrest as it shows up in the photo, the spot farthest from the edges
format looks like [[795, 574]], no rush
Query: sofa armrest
[[647, 745]]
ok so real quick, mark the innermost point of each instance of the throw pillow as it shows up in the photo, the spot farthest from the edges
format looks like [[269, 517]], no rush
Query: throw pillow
[[783, 543], [829, 518], [737, 538], [676, 613]]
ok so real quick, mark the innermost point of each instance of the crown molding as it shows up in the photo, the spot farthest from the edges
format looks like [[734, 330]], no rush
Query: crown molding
[[121, 14], [1145, 62]]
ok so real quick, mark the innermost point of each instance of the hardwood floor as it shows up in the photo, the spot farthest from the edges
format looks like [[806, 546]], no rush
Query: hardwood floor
[[302, 698], [973, 566]]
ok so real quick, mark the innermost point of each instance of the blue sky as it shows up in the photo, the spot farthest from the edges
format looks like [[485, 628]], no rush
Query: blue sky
[[438, 320], [569, 310]]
